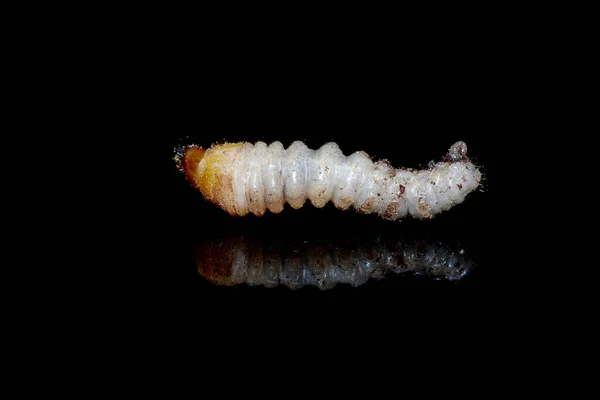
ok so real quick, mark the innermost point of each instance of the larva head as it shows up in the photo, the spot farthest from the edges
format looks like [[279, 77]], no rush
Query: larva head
[[191, 159], [211, 172]]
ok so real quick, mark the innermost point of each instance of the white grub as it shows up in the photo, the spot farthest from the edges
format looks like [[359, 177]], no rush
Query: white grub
[[266, 177]]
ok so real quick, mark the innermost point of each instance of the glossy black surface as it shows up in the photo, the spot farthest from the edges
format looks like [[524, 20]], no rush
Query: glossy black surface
[[296, 263]]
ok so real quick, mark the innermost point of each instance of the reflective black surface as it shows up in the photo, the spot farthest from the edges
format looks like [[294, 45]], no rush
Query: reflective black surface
[[273, 262]]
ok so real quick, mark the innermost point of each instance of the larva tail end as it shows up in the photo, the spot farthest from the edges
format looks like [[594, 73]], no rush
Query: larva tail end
[[191, 159], [457, 152]]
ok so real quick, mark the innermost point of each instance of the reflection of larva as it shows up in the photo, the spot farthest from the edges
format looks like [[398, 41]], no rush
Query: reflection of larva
[[239, 260], [242, 178]]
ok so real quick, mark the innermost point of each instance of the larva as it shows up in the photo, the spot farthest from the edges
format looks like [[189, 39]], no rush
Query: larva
[[251, 261], [242, 178]]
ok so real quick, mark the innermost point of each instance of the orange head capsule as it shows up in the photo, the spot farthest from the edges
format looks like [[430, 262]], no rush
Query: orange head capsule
[[191, 161], [211, 171]]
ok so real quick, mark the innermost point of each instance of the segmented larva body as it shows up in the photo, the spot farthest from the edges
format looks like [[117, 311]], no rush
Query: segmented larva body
[[242, 178], [248, 261]]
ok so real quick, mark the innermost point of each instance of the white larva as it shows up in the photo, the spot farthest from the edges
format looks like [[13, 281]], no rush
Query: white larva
[[243, 178]]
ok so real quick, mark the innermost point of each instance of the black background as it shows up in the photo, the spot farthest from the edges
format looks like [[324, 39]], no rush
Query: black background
[[395, 89]]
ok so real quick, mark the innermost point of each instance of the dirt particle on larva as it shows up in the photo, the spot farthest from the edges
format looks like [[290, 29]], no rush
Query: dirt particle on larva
[[386, 163], [367, 205], [402, 190], [326, 168], [424, 208], [391, 210], [459, 186]]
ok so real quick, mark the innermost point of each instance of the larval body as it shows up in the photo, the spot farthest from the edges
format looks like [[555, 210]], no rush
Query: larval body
[[244, 178]]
